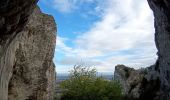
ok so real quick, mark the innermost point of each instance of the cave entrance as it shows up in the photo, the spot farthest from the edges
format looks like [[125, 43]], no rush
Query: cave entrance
[[102, 34]]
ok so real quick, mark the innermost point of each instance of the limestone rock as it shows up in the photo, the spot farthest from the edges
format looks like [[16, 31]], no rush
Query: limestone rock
[[33, 63], [14, 14], [130, 80], [27, 42], [161, 10]]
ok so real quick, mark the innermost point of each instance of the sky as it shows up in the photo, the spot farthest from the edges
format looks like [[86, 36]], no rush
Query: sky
[[102, 33]]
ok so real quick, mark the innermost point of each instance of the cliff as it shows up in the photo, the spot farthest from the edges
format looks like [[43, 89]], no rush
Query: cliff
[[161, 9], [155, 84], [130, 80], [27, 43]]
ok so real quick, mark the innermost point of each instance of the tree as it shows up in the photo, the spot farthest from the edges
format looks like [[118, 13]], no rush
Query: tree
[[83, 84]]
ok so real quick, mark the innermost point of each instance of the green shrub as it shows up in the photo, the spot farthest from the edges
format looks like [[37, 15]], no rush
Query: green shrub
[[83, 84]]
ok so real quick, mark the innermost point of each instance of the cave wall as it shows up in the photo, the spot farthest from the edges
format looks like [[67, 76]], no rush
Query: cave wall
[[161, 10], [27, 44]]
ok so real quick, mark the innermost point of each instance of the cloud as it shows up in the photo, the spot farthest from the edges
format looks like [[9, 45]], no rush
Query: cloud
[[61, 45], [119, 30], [129, 27], [76, 61], [123, 35], [67, 6], [64, 5]]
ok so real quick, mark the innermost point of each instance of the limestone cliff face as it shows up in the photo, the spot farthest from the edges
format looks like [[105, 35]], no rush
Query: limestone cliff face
[[130, 79], [155, 84], [27, 42], [13, 16], [161, 10], [33, 59]]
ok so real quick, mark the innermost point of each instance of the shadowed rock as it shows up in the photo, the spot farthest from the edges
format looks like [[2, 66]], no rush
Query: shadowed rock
[[161, 10]]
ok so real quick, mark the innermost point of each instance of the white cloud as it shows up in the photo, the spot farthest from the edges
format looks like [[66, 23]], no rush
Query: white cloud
[[61, 46], [126, 25], [119, 30], [67, 6], [64, 5]]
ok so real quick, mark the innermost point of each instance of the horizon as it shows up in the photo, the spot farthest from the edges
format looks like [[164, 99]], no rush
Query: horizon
[[100, 73]]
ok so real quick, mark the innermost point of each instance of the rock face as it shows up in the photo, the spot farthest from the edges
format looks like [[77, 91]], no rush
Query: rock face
[[130, 79], [27, 43], [155, 84], [142, 84], [161, 9], [14, 16]]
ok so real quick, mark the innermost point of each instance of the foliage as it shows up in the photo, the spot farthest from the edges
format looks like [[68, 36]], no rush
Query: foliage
[[83, 84]]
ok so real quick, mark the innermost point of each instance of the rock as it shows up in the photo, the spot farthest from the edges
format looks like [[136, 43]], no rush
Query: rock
[[27, 43], [33, 70], [14, 14], [130, 80], [13, 17], [161, 10]]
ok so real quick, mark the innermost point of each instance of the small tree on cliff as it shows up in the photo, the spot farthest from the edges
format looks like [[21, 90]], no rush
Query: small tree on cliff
[[83, 84]]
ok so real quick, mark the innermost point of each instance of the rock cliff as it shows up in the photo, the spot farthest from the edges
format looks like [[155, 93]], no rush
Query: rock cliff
[[27, 43], [155, 84], [130, 79], [161, 10]]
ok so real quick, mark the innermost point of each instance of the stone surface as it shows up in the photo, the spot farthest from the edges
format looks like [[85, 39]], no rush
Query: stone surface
[[27, 42], [161, 10], [130, 80], [14, 15], [33, 63]]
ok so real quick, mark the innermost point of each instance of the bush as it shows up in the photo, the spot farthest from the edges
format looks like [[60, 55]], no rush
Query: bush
[[83, 84]]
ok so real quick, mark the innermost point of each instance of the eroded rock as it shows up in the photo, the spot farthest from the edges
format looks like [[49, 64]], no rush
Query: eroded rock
[[33, 70], [161, 10], [130, 80], [27, 42]]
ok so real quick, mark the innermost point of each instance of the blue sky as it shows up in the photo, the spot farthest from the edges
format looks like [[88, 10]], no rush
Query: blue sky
[[102, 33]]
